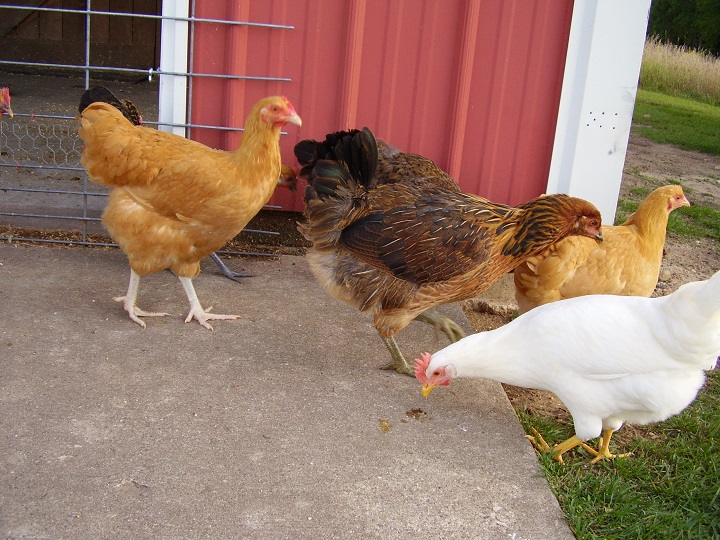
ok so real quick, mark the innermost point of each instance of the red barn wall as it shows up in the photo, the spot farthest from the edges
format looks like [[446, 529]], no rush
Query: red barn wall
[[472, 84]]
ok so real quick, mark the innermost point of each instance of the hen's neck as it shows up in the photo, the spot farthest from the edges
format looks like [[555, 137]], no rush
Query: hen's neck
[[259, 153], [650, 220], [493, 355]]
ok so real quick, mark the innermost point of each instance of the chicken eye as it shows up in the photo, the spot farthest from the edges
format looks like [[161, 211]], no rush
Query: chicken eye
[[436, 373]]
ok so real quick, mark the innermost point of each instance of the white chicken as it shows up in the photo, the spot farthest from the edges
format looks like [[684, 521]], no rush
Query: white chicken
[[610, 359]]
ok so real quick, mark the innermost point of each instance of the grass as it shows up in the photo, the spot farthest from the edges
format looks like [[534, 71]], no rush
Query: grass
[[670, 487], [679, 121], [680, 71]]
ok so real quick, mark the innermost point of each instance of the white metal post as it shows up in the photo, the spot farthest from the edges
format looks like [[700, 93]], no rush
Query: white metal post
[[598, 97], [174, 40]]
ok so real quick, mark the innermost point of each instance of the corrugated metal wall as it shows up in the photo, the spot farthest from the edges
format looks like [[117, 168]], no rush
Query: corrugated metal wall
[[471, 84]]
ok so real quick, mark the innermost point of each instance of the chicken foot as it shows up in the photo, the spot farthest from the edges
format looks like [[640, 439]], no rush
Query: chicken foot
[[446, 325], [131, 297], [451, 329], [230, 274], [603, 451], [399, 363], [196, 311], [557, 451]]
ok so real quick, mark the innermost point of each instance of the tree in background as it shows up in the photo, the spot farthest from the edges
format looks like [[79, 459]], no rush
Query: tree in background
[[693, 23]]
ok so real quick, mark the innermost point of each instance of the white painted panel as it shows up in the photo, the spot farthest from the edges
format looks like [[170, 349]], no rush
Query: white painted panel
[[172, 108], [598, 97]]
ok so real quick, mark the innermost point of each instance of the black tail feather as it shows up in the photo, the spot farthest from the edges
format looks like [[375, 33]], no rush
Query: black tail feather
[[102, 94], [344, 158]]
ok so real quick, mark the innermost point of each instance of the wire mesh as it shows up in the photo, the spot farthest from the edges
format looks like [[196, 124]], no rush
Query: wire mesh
[[43, 186]]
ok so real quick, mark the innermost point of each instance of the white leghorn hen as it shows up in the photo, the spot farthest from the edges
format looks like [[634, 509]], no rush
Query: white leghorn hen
[[610, 359]]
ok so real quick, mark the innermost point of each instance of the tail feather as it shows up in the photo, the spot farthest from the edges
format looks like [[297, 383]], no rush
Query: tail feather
[[340, 171], [699, 300], [102, 94], [328, 177], [356, 149]]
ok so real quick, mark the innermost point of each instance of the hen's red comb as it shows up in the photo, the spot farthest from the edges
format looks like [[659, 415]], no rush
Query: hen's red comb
[[421, 366]]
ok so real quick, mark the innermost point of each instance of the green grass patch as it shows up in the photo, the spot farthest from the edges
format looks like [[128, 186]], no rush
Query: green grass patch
[[696, 220], [674, 120], [668, 488]]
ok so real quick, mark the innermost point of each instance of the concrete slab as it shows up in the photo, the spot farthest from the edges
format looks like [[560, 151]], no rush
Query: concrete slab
[[277, 425]]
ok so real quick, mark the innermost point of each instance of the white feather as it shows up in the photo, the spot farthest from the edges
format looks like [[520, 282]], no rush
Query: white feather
[[610, 359]]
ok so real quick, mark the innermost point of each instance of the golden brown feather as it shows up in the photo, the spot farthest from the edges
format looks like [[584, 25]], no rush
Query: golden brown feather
[[5, 101], [174, 201], [626, 263]]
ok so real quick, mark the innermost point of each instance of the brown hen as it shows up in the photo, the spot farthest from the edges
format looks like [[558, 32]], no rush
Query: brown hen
[[397, 249], [174, 201], [626, 263]]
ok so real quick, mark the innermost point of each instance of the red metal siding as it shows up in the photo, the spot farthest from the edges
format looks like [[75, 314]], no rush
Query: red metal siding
[[472, 84]]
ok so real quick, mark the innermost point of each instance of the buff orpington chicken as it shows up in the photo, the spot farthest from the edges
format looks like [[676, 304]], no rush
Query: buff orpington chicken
[[627, 262], [397, 249], [96, 94], [174, 201], [610, 359]]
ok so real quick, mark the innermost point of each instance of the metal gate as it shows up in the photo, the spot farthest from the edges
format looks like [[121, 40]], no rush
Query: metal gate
[[46, 195]]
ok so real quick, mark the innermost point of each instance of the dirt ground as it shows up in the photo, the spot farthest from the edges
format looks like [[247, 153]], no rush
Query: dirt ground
[[647, 165]]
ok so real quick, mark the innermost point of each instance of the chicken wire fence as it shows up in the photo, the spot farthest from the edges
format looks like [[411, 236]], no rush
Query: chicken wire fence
[[45, 193], [44, 186]]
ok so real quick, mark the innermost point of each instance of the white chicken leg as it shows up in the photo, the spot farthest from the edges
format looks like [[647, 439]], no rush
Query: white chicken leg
[[196, 311], [130, 298]]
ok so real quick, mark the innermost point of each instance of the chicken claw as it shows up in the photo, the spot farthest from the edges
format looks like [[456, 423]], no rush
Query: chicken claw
[[603, 450], [451, 329], [196, 311], [446, 325], [135, 312], [203, 316], [131, 297], [558, 450], [399, 363]]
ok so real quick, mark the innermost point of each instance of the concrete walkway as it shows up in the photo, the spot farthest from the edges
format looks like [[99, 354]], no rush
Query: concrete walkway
[[275, 426]]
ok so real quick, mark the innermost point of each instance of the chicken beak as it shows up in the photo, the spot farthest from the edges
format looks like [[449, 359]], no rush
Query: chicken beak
[[426, 389], [7, 110], [599, 237], [293, 119]]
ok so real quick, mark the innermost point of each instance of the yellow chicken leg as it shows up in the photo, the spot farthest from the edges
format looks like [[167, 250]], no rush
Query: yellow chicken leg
[[131, 297], [559, 449], [603, 451], [196, 311]]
